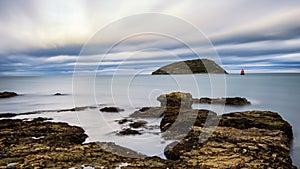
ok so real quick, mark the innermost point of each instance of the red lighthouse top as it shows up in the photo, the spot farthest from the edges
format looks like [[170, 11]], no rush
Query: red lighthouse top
[[242, 72]]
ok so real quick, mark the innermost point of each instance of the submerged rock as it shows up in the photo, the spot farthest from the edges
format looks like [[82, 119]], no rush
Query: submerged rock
[[111, 109], [123, 121], [138, 124], [7, 115], [148, 112], [7, 94], [235, 101], [129, 131]]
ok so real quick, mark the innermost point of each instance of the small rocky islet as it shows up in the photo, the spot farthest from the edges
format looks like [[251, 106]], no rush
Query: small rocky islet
[[250, 139], [111, 109], [7, 94]]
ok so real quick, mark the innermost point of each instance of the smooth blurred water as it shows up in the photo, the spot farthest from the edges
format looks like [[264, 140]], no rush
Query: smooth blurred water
[[275, 92]]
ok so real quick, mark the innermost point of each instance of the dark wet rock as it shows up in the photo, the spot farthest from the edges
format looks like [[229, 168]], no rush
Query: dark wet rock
[[7, 94], [234, 148], [174, 150], [123, 121], [111, 109], [129, 131], [76, 109], [259, 119], [59, 145], [234, 101], [40, 119], [60, 94], [191, 67], [256, 139], [180, 119], [176, 99], [251, 139], [7, 115], [148, 112], [119, 150], [55, 133], [138, 124]]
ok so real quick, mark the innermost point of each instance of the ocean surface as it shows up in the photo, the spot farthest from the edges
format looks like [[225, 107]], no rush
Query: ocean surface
[[274, 92]]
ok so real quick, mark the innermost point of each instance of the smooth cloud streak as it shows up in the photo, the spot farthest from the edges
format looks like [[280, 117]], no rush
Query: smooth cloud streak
[[46, 36]]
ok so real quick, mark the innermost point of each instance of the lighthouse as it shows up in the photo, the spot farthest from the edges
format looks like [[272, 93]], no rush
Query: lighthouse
[[242, 72]]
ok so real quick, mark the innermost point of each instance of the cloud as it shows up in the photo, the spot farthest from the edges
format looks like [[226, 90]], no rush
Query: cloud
[[47, 36]]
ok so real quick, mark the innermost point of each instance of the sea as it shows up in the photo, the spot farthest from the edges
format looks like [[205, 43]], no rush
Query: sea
[[273, 92]]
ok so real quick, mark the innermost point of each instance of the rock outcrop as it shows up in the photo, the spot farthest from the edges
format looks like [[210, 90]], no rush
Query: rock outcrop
[[232, 148], [148, 112], [234, 101], [7, 115], [250, 139], [111, 109], [176, 99], [7, 94], [43, 144], [191, 67]]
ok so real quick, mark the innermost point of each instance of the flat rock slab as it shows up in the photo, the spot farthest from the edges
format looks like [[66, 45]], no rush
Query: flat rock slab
[[148, 112], [43, 144], [233, 148], [251, 139], [233, 101]]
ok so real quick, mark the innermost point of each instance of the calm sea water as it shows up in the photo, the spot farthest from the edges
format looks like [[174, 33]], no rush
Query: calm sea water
[[274, 92]]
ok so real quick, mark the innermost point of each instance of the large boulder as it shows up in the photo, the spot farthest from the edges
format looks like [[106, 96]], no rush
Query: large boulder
[[176, 99]]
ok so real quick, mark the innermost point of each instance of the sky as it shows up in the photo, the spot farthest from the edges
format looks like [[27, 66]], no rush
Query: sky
[[54, 37]]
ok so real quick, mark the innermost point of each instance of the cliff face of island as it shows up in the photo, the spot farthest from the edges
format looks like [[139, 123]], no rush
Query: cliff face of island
[[196, 66]]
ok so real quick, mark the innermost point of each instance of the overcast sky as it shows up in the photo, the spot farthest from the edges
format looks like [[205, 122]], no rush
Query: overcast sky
[[45, 37]]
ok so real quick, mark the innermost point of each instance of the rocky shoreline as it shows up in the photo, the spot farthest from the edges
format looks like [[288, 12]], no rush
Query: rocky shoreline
[[250, 139]]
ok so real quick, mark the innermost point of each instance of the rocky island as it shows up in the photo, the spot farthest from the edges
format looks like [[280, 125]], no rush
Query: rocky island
[[196, 66]]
